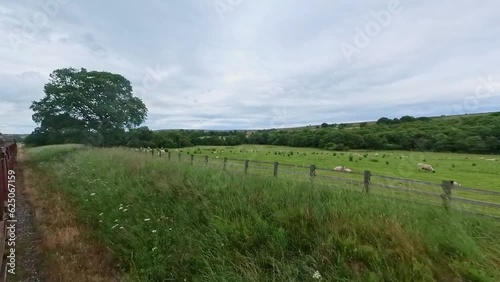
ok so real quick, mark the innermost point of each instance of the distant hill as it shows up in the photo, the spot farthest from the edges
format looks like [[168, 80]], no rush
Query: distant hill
[[346, 124]]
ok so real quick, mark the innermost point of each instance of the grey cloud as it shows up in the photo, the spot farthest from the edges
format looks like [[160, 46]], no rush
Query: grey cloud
[[265, 63]]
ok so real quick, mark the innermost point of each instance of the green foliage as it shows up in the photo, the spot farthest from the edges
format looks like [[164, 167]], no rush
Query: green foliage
[[83, 106]]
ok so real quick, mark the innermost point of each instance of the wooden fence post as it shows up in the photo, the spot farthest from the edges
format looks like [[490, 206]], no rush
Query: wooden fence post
[[312, 174], [206, 160], [225, 162], [276, 169], [192, 158], [367, 180], [246, 166], [446, 185], [312, 171]]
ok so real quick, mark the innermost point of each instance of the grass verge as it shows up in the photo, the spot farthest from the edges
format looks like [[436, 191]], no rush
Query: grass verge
[[68, 252], [169, 222]]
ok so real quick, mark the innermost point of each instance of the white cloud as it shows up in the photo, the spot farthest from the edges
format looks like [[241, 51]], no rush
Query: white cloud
[[263, 64]]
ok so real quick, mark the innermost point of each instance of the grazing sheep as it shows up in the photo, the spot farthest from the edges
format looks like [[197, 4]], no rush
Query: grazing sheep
[[454, 183], [426, 167], [341, 169]]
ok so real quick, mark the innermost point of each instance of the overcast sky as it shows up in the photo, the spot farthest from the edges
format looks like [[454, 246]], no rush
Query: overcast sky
[[239, 64]]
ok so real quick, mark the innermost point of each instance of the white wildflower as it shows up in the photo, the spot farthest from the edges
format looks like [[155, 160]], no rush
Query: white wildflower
[[316, 275], [120, 208], [101, 214], [125, 210], [154, 248], [121, 227], [92, 194], [147, 219], [114, 226], [154, 231]]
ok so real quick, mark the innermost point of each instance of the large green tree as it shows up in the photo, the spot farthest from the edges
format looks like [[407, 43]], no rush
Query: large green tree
[[92, 106]]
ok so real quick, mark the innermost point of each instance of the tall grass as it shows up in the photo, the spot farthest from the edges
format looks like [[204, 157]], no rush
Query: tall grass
[[170, 222]]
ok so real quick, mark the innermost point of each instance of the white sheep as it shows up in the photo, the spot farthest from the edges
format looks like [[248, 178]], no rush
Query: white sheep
[[426, 167], [342, 169]]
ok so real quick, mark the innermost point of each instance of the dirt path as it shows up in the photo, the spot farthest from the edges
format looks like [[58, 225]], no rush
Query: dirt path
[[27, 242], [52, 245]]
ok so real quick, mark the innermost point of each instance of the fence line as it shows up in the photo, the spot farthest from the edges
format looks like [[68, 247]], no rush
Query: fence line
[[366, 182]]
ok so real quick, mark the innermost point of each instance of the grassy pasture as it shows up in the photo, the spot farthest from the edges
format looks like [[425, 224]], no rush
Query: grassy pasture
[[169, 222], [468, 169]]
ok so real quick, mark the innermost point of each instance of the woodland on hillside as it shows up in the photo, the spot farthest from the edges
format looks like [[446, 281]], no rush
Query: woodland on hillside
[[465, 134]]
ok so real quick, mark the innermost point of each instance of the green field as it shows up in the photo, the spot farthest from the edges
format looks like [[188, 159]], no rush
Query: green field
[[166, 221], [469, 170]]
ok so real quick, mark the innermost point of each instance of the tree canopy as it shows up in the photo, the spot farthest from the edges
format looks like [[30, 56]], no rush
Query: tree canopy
[[89, 106]]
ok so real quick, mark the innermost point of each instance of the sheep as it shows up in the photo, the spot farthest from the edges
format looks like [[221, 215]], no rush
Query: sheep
[[342, 169], [454, 183], [426, 167]]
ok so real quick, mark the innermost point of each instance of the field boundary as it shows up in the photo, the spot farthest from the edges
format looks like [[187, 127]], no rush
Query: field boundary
[[442, 195]]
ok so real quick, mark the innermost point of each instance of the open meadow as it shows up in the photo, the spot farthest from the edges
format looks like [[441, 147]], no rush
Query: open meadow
[[392, 171], [468, 169], [165, 221]]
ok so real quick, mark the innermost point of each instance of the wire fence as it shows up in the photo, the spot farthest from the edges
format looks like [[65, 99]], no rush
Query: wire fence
[[484, 202]]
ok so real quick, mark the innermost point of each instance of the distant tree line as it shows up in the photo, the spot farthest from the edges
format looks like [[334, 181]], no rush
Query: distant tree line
[[99, 108], [466, 134]]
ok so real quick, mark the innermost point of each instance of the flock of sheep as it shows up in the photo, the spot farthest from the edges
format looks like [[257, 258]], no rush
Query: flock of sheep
[[421, 166]]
